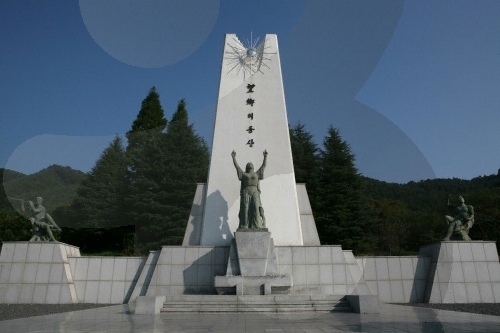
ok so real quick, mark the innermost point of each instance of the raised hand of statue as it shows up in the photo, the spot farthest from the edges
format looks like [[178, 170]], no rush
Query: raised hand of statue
[[233, 154], [265, 153]]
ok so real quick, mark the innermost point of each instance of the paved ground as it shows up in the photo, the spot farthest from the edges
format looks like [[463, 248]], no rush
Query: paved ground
[[120, 318]]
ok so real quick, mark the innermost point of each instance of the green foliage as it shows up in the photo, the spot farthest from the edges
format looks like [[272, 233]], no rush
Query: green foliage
[[305, 157], [14, 227], [339, 213], [99, 200]]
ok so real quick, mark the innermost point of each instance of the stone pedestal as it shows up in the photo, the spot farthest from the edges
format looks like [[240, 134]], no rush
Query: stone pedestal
[[252, 266], [462, 272], [37, 272]]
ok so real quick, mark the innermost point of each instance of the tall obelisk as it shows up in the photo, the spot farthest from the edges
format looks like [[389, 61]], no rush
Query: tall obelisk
[[251, 117]]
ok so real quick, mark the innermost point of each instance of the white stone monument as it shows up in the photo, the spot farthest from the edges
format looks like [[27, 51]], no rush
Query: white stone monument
[[251, 117]]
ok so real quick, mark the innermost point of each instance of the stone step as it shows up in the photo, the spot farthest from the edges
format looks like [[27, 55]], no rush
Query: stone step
[[250, 303]]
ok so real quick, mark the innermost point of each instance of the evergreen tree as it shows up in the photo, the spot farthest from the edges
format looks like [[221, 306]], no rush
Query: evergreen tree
[[305, 155], [146, 154], [339, 201], [99, 198], [186, 165]]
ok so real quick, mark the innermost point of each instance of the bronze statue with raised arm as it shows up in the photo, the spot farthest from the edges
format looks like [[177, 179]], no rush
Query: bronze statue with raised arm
[[251, 213]]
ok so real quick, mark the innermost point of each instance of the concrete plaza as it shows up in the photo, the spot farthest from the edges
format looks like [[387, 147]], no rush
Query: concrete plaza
[[121, 318]]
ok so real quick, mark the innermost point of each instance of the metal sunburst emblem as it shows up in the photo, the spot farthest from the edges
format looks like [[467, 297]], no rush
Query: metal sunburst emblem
[[248, 57]]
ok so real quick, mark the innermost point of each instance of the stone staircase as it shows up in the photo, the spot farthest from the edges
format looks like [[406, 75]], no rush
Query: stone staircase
[[255, 303]]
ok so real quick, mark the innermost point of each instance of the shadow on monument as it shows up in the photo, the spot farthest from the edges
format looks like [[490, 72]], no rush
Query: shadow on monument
[[216, 219]]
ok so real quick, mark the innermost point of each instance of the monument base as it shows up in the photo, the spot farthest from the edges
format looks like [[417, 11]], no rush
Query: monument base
[[252, 266], [462, 272]]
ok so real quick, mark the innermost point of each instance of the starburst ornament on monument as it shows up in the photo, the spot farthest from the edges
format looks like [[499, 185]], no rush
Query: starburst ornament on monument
[[248, 57]]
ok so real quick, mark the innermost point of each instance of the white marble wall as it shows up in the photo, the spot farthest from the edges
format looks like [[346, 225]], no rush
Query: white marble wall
[[37, 272], [396, 279], [463, 272], [105, 280]]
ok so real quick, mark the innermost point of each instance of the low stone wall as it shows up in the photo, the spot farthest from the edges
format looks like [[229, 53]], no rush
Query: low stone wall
[[105, 280], [396, 279]]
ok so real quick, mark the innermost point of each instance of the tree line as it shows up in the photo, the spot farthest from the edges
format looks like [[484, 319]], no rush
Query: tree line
[[138, 196]]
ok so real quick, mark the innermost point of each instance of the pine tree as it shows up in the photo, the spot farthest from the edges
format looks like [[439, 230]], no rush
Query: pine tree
[[146, 154], [187, 165], [339, 201], [305, 155], [99, 198]]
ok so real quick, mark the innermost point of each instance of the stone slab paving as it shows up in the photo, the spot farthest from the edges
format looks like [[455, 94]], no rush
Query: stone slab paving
[[121, 318]]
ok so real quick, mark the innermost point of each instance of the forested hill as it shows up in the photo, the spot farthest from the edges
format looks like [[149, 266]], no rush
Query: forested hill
[[428, 194], [56, 184]]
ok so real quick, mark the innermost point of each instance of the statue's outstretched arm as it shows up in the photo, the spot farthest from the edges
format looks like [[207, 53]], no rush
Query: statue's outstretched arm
[[260, 172], [238, 169]]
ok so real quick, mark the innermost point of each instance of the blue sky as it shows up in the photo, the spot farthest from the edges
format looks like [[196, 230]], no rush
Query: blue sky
[[413, 86]]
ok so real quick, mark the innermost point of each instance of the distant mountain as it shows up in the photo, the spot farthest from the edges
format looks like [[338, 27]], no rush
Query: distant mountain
[[57, 185]]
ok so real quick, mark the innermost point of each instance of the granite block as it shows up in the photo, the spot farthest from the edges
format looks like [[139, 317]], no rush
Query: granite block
[[91, 291], [53, 293], [482, 271], [457, 272], [299, 275], [40, 293], [312, 255], [26, 293], [146, 305], [20, 252], [325, 275], [486, 293], [59, 253], [104, 294], [340, 289], [298, 255], [94, 269], [190, 275], [7, 254], [67, 277], [324, 255], [312, 275], [466, 251], [459, 292], [394, 266], [80, 290], [397, 293], [163, 277], [369, 271], [205, 255], [220, 255], [33, 252], [372, 286], [46, 253], [133, 265], [478, 251], [285, 269], [353, 273], [326, 289], [339, 274], [409, 292], [5, 272], [443, 270], [205, 275], [382, 268], [177, 275], [12, 294], [337, 255], [191, 255], [447, 292], [364, 303], [384, 290], [490, 251], [178, 254], [65, 295], [435, 296], [117, 292], [496, 292], [166, 256], [473, 295], [107, 265], [494, 271], [81, 268], [119, 269], [42, 273], [29, 274], [469, 272], [407, 269], [56, 273]]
